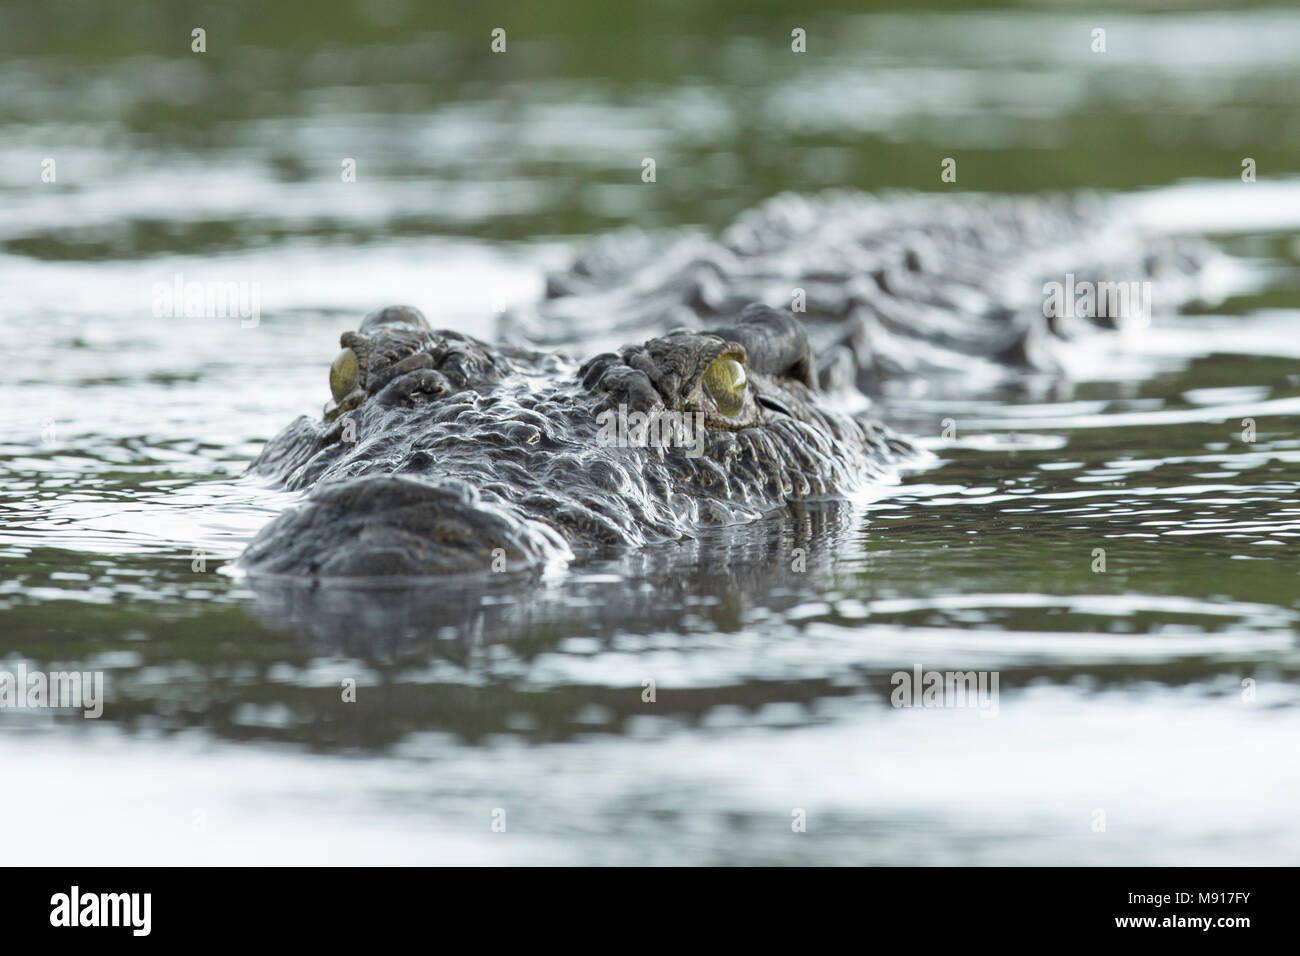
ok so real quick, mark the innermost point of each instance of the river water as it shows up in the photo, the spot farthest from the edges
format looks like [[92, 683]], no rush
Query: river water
[[1146, 712]]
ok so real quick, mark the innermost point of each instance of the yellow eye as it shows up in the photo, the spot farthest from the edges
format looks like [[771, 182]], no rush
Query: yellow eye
[[343, 374], [725, 382]]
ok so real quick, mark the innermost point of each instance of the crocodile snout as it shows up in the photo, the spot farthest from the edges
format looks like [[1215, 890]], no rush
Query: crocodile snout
[[394, 525]]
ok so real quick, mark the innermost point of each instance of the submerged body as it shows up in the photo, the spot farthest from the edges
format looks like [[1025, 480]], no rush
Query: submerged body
[[442, 454]]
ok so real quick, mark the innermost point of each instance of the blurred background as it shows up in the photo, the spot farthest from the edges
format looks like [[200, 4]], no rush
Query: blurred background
[[224, 738], [547, 139]]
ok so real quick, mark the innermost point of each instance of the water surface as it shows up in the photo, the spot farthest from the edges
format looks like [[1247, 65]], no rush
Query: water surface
[[225, 739]]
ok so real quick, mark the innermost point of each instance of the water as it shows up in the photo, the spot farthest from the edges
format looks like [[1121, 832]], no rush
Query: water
[[224, 738]]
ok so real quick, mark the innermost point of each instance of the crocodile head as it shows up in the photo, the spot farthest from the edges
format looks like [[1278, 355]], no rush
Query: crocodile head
[[439, 453]]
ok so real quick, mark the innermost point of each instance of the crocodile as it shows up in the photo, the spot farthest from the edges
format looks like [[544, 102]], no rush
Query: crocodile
[[440, 453], [897, 292]]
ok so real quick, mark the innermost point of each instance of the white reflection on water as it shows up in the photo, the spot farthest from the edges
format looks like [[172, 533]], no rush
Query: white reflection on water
[[1183, 778]]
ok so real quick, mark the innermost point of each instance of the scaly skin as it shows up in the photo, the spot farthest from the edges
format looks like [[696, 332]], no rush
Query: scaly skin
[[945, 290], [464, 453], [444, 454]]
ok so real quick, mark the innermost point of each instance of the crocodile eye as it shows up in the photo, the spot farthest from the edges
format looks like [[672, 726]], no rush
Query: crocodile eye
[[343, 374], [724, 380]]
